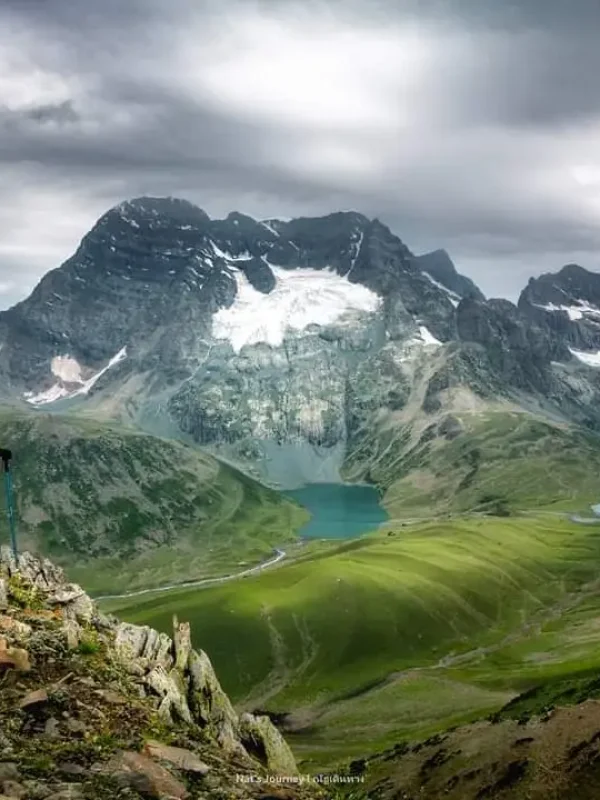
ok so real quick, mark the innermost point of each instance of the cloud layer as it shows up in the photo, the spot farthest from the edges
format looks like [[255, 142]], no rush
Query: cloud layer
[[468, 124]]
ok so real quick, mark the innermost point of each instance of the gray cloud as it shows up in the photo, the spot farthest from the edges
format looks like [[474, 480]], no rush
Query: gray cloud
[[468, 124]]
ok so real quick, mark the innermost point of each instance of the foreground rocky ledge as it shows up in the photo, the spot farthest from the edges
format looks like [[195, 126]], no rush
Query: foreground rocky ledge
[[91, 707]]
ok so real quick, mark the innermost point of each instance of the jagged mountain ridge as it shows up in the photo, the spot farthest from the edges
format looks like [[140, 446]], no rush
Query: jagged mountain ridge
[[290, 348], [147, 262]]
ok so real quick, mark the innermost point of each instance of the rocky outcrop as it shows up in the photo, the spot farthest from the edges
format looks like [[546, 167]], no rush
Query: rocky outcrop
[[440, 267], [567, 304], [117, 707]]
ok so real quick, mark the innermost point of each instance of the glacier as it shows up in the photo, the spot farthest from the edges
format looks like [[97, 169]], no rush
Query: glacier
[[299, 299]]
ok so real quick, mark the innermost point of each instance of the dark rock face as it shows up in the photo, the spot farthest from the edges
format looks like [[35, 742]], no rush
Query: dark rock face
[[439, 265], [259, 274], [519, 351], [567, 303]]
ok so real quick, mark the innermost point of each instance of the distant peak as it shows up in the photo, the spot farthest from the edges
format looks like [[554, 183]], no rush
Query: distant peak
[[574, 269]]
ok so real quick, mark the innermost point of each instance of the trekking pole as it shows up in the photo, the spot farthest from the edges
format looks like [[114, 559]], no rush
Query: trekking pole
[[6, 456]]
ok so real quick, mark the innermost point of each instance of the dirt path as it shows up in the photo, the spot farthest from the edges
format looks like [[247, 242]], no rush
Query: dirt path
[[281, 554]]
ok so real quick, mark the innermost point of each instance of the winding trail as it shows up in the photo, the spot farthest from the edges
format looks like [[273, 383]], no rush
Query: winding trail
[[281, 554]]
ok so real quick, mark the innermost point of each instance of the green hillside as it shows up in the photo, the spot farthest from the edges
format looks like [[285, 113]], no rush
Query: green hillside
[[125, 510], [490, 461], [382, 637]]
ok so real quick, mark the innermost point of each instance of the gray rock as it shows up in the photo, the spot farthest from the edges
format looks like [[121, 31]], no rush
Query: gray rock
[[14, 790], [3, 594], [158, 649], [72, 633], [52, 728], [183, 644], [140, 773], [9, 771], [130, 640], [178, 757], [172, 690], [76, 604], [262, 739]]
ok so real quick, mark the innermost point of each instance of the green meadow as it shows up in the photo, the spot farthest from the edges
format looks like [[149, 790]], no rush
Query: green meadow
[[399, 634]]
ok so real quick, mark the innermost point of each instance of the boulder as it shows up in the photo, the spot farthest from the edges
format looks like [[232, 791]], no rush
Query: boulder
[[76, 604], [130, 640], [13, 658], [208, 702], [140, 773], [20, 630], [14, 790], [33, 699], [171, 688], [262, 740], [158, 649], [182, 641], [177, 757]]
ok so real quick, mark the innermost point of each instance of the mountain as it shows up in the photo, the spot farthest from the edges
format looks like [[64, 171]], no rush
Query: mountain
[[301, 350], [126, 510], [240, 334], [95, 709]]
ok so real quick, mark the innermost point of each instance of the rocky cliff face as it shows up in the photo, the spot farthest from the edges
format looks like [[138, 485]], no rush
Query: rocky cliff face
[[438, 266], [94, 708]]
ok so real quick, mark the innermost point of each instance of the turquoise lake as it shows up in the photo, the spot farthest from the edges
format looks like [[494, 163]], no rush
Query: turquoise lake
[[339, 511]]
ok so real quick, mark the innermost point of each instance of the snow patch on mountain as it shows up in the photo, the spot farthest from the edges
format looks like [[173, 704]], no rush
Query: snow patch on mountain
[[591, 359], [452, 296], [426, 337], [410, 349], [268, 224], [575, 312], [246, 256], [300, 298], [68, 371]]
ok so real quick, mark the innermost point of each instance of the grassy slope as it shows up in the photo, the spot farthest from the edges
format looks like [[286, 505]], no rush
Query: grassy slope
[[385, 637], [506, 460], [126, 510]]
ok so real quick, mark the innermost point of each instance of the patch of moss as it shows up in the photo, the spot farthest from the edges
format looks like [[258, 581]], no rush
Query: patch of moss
[[24, 594]]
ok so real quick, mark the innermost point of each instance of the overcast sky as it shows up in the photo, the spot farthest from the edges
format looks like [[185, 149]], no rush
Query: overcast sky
[[472, 125]]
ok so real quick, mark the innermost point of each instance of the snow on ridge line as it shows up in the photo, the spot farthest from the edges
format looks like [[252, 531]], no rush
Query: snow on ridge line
[[266, 224], [228, 257], [575, 312], [300, 298], [452, 296], [65, 365], [427, 337], [591, 359]]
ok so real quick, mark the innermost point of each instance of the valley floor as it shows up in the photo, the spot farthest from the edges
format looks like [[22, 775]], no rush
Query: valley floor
[[402, 634]]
